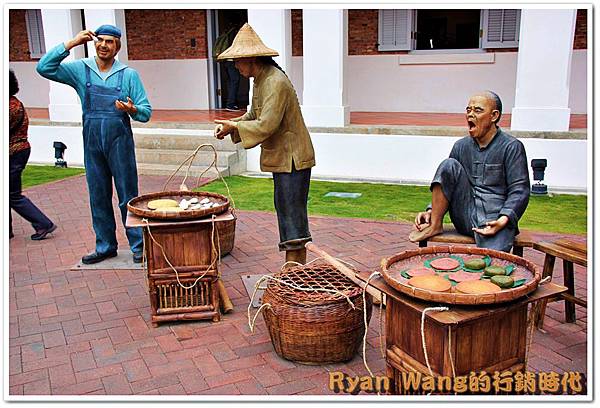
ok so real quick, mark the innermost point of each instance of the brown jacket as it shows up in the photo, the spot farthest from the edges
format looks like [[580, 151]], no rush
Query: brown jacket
[[275, 122]]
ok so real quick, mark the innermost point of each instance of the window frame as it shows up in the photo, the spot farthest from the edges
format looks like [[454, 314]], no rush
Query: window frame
[[412, 27], [35, 33]]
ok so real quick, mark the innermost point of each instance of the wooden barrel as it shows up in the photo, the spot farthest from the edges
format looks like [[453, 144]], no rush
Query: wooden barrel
[[226, 231]]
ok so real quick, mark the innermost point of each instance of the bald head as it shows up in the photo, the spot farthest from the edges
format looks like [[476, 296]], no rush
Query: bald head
[[482, 114], [494, 99]]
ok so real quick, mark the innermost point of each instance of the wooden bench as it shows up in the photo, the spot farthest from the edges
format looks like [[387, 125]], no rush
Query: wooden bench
[[450, 236], [570, 252]]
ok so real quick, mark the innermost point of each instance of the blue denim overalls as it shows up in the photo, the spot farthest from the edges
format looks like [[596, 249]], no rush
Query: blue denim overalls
[[108, 152]]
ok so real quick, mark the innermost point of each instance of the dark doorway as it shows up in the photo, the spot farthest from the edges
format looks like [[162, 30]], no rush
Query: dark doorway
[[230, 21]]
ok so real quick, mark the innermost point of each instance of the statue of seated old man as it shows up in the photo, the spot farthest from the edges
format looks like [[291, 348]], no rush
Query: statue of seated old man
[[484, 184]]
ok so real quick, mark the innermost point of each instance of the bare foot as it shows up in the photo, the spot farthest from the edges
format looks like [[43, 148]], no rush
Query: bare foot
[[427, 232]]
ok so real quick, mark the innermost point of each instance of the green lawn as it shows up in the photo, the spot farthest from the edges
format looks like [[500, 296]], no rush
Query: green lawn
[[34, 175], [559, 213]]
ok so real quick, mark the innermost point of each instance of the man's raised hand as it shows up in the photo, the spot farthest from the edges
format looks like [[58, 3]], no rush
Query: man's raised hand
[[82, 37]]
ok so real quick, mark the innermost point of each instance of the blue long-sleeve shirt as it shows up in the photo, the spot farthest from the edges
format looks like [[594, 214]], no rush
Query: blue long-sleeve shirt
[[51, 66], [498, 174]]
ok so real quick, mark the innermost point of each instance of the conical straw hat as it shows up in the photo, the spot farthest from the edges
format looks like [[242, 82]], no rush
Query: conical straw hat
[[247, 44]]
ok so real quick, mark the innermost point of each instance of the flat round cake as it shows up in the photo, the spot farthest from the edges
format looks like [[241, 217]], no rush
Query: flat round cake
[[170, 209], [477, 287], [431, 282], [445, 264], [420, 271], [462, 276], [162, 203]]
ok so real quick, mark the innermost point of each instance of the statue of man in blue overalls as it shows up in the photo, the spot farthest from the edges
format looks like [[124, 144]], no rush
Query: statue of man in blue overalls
[[111, 93]]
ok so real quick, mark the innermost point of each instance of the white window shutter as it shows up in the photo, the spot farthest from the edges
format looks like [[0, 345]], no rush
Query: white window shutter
[[35, 33], [386, 29], [395, 27], [501, 28], [403, 29]]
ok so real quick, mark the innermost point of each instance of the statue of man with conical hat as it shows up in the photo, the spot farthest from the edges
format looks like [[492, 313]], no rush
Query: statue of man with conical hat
[[274, 122]]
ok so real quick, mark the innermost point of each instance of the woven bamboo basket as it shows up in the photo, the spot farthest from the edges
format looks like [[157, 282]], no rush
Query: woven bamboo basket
[[311, 327], [226, 230], [523, 269], [139, 205]]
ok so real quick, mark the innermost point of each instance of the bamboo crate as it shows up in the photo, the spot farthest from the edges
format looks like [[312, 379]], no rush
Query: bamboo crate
[[170, 301]]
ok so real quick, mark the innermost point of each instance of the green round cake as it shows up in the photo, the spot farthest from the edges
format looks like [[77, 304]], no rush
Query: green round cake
[[494, 270], [475, 264], [503, 281]]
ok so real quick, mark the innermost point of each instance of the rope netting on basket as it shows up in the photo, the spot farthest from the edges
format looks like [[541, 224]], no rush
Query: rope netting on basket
[[316, 283], [312, 284]]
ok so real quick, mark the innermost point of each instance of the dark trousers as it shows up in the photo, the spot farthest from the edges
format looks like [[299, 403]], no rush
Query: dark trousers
[[291, 200], [464, 212], [18, 202], [233, 82]]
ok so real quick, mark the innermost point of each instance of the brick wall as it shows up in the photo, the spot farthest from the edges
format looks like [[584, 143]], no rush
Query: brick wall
[[166, 34], [363, 33], [580, 41], [297, 33], [18, 43]]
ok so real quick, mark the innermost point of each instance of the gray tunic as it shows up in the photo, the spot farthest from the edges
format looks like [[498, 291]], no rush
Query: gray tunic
[[481, 184]]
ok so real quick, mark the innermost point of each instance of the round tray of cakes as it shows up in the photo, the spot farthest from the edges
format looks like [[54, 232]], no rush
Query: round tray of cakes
[[178, 205], [460, 275]]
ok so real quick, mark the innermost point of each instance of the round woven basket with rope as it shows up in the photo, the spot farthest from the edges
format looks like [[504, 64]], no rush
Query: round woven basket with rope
[[139, 205], [393, 268], [226, 229], [314, 314]]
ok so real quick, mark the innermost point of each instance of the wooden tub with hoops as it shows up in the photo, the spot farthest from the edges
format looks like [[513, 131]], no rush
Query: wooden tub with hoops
[[314, 313]]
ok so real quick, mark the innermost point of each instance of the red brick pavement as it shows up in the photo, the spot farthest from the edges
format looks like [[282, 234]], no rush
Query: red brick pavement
[[88, 331]]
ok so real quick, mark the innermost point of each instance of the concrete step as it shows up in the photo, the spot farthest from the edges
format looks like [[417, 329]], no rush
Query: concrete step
[[168, 169], [182, 142], [170, 148], [176, 157]]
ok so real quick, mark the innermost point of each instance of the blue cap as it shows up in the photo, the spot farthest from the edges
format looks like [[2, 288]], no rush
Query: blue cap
[[108, 29]]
